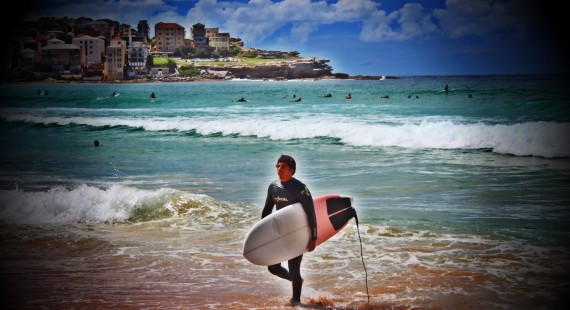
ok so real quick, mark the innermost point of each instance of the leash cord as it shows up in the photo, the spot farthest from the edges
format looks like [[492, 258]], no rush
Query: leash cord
[[362, 256]]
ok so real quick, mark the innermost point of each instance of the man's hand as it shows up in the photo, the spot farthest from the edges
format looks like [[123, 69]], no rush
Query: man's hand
[[311, 245]]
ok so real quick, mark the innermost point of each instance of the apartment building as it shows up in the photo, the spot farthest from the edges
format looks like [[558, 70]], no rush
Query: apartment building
[[116, 60], [199, 35], [137, 51], [220, 41], [59, 56], [94, 54], [125, 30], [93, 49], [168, 36], [211, 32]]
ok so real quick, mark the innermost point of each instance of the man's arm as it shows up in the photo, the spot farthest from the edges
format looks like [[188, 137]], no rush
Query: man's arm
[[309, 207], [268, 207]]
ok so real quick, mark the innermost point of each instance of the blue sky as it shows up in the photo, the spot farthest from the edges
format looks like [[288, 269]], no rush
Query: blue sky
[[375, 37]]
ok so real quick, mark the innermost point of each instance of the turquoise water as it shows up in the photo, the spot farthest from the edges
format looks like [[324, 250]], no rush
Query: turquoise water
[[441, 181]]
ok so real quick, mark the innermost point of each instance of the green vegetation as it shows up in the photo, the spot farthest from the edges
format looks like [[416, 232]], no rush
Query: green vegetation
[[164, 62], [188, 71], [249, 54]]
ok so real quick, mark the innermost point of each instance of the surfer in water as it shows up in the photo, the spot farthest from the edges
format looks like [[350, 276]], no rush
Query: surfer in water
[[281, 193]]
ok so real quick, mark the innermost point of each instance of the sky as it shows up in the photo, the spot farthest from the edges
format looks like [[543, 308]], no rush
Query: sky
[[363, 37]]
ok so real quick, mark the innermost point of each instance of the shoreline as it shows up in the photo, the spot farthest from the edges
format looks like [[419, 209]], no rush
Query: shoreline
[[179, 80]]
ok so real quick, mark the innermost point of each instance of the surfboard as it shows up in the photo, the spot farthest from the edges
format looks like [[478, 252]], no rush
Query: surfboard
[[285, 233]]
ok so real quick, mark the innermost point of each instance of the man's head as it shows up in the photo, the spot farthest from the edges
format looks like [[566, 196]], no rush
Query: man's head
[[286, 167]]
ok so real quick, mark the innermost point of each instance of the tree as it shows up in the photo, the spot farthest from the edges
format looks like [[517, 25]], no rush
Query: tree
[[149, 61]]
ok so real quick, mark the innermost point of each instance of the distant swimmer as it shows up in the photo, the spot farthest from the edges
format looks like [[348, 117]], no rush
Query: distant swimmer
[[446, 88], [152, 95], [297, 100], [114, 94], [242, 99], [96, 143], [385, 97], [328, 95], [470, 96], [349, 96]]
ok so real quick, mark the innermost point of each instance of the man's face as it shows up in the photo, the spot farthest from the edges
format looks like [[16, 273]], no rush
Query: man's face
[[284, 172]]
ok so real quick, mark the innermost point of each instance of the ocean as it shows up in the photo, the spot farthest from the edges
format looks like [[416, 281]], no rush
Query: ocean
[[462, 197]]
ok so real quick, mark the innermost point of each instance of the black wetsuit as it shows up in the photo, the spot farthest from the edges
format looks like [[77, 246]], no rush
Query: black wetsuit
[[281, 194]]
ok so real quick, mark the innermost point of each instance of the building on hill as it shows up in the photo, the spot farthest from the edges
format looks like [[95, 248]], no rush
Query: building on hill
[[211, 32], [58, 56], [116, 60], [93, 49], [168, 37], [220, 41], [199, 37], [125, 30], [27, 58], [101, 27], [137, 54]]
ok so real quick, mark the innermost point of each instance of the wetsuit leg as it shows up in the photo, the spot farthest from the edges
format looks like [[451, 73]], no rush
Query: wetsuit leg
[[295, 273], [279, 271]]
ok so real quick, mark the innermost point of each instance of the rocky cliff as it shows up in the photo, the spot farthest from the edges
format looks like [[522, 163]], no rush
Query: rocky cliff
[[290, 69]]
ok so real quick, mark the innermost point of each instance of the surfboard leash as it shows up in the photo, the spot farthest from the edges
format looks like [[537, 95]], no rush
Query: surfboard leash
[[361, 254]]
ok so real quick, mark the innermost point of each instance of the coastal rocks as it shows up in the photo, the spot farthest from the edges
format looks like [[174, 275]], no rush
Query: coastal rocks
[[292, 69]]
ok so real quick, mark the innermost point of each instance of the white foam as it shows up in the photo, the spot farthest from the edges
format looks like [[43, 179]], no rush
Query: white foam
[[546, 139]]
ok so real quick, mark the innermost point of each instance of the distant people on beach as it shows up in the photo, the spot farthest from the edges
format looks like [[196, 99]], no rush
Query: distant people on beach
[[242, 99], [152, 95], [349, 96]]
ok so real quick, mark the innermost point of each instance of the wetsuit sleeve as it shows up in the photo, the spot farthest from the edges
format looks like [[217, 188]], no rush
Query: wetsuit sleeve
[[309, 207], [268, 207]]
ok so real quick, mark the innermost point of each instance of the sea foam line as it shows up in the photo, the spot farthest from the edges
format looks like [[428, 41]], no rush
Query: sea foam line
[[545, 139]]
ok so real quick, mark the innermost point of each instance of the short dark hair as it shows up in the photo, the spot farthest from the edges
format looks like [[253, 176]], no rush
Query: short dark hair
[[290, 161]]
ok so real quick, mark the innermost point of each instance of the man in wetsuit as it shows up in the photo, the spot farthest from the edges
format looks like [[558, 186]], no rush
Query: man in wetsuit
[[281, 193]]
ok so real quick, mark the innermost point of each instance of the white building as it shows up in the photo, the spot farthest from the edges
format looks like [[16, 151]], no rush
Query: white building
[[92, 49]]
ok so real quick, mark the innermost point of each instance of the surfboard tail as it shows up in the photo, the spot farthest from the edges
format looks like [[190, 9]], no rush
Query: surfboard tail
[[340, 211]]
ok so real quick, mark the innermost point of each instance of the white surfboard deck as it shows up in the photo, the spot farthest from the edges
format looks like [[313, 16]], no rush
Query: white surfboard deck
[[285, 233]]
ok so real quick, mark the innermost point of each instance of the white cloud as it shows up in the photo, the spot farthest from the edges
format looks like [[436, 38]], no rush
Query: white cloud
[[408, 23], [298, 20]]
